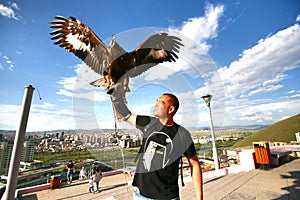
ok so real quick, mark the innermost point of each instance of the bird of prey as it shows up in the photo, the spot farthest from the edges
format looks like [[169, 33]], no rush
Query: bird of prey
[[112, 62]]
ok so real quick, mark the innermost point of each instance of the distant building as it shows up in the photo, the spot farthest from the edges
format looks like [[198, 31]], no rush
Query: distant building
[[28, 152], [128, 142], [6, 151], [203, 140], [5, 154], [298, 136]]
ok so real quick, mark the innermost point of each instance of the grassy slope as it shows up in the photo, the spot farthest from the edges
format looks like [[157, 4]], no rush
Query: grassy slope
[[283, 131]]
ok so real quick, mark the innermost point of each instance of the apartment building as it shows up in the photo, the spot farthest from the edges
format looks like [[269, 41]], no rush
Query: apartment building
[[6, 149]]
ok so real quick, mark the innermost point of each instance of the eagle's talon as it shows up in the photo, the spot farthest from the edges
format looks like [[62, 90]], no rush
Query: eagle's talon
[[109, 90]]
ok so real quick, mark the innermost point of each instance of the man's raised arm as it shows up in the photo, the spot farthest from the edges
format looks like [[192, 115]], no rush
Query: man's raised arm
[[119, 102]]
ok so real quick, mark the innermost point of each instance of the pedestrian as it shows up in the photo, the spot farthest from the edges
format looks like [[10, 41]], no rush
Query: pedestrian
[[98, 177], [91, 185], [70, 170], [164, 143], [82, 174]]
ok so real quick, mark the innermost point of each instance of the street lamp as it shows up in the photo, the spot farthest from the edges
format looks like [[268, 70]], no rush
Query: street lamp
[[207, 99]]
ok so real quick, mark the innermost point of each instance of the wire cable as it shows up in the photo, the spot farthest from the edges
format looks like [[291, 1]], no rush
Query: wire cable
[[118, 142]]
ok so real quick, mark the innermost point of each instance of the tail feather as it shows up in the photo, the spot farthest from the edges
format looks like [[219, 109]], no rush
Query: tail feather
[[109, 88], [99, 83]]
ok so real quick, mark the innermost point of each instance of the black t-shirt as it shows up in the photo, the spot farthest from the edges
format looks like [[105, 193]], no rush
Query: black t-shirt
[[70, 166], [158, 159]]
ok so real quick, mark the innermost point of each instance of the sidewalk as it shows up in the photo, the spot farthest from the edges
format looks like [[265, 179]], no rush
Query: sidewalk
[[278, 183]]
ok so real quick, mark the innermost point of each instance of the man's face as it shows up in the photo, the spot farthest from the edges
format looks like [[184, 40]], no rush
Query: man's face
[[162, 106]]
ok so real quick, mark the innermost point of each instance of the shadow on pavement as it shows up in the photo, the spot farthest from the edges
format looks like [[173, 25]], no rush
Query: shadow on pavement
[[293, 190]]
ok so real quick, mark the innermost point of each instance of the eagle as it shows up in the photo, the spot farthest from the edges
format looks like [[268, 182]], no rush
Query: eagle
[[112, 62]]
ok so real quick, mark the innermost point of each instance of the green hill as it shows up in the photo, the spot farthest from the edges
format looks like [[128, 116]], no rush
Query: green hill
[[282, 131]]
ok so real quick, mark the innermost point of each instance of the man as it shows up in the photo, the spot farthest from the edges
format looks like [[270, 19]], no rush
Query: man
[[164, 142], [70, 169]]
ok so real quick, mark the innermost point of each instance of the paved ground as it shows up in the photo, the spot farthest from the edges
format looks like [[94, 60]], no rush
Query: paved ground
[[281, 183]]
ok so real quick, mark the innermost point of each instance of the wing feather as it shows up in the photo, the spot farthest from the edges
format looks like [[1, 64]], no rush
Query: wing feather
[[80, 40], [157, 48]]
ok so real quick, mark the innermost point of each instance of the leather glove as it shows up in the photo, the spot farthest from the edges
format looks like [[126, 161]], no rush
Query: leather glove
[[118, 98]]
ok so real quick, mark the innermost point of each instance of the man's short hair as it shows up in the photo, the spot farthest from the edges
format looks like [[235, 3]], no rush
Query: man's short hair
[[174, 101]]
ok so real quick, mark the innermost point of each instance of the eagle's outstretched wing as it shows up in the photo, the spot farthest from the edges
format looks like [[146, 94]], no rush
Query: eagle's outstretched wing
[[80, 40], [155, 49]]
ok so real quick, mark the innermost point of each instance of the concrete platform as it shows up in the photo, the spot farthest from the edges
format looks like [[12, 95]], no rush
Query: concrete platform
[[278, 183]]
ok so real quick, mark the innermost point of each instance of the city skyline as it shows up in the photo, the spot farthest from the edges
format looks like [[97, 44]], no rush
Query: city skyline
[[251, 49]]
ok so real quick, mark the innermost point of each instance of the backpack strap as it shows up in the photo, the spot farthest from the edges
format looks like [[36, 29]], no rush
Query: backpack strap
[[181, 171]]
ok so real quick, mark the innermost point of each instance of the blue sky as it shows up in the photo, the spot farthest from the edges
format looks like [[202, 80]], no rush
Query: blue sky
[[245, 53]]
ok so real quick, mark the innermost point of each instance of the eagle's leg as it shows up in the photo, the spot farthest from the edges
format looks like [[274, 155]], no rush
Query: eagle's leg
[[110, 89], [110, 85], [123, 83]]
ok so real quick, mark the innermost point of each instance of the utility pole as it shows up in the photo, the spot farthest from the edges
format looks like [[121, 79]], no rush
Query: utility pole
[[18, 146]]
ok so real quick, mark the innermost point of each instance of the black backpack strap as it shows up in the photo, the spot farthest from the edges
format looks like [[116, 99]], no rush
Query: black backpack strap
[[181, 172]]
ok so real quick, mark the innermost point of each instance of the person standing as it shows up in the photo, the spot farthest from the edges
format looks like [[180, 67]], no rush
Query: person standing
[[70, 170], [82, 174], [91, 185], [164, 142], [98, 177]]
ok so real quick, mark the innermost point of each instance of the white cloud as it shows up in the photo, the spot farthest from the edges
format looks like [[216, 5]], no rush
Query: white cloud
[[45, 105], [42, 117], [295, 96], [14, 5], [298, 18], [160, 72], [64, 100], [88, 103], [260, 70], [47, 116], [264, 90], [204, 28], [7, 63], [292, 92], [79, 86], [65, 93], [195, 33], [9, 11], [9, 116], [263, 112], [262, 67], [67, 82]]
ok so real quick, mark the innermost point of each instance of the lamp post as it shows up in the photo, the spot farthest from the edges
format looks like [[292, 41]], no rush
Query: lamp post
[[207, 99], [18, 146]]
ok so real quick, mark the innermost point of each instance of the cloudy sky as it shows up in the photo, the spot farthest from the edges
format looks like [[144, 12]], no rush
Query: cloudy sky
[[245, 53]]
